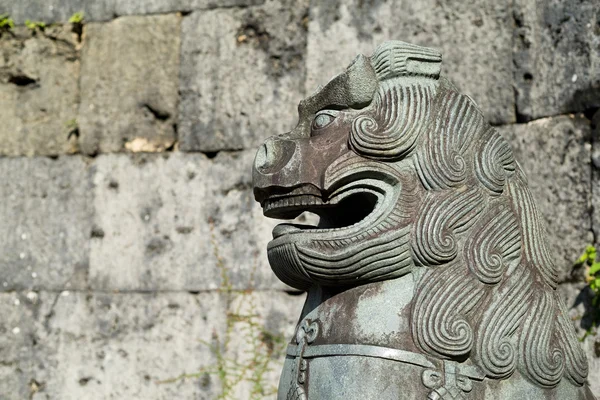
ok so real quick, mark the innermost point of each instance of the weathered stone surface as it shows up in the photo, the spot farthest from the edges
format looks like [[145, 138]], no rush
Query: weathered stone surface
[[56, 10], [46, 223], [260, 325], [236, 64], [557, 56], [103, 10], [131, 7], [555, 154], [129, 84], [100, 346], [474, 36], [173, 222], [596, 174], [38, 92], [115, 346]]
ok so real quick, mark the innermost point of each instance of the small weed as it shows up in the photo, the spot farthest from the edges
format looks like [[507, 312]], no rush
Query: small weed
[[77, 18], [592, 278], [261, 346], [35, 25], [76, 21], [71, 124], [72, 127], [6, 23]]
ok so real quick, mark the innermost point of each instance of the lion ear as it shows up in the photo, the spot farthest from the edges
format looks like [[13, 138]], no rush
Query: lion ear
[[395, 59]]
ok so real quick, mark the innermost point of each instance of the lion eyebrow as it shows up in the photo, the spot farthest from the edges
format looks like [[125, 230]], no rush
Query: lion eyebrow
[[337, 107]]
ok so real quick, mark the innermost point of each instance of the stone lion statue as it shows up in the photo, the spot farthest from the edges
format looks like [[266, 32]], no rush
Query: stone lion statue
[[428, 275]]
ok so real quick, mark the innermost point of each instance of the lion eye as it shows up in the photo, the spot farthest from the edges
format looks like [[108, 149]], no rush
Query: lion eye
[[323, 119]]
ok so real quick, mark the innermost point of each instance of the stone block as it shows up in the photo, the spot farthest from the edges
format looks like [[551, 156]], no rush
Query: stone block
[[596, 175], [133, 7], [62, 345], [555, 154], [178, 222], [557, 57], [17, 325], [475, 38], [51, 11], [129, 84], [38, 92], [46, 218], [242, 75], [104, 345]]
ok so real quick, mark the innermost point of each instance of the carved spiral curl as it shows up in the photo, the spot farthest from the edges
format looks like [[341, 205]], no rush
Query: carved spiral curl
[[576, 366], [439, 315], [496, 345], [399, 116], [535, 250], [493, 244], [494, 162], [442, 216], [442, 161], [542, 360]]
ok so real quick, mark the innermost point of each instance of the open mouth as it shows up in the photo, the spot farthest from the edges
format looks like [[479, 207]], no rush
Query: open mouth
[[344, 209]]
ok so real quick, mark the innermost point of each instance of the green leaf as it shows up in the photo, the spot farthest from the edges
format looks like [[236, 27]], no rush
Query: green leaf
[[6, 22], [594, 269], [76, 18], [588, 256]]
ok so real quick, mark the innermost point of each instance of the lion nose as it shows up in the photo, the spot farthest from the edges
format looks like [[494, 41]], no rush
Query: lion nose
[[274, 169], [273, 155]]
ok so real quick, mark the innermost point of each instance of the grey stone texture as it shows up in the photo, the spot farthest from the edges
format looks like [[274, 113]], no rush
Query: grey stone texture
[[39, 92], [557, 56], [236, 65], [555, 154], [131, 7], [130, 101], [56, 10], [63, 345], [173, 222], [46, 223], [596, 174], [52, 11], [475, 38]]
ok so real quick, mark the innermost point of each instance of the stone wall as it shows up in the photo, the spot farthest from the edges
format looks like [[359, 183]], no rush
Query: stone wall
[[132, 260]]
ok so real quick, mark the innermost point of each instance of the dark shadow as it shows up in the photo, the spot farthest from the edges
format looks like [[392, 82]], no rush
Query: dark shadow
[[591, 314]]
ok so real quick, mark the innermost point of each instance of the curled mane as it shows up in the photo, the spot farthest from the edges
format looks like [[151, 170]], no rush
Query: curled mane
[[480, 244]]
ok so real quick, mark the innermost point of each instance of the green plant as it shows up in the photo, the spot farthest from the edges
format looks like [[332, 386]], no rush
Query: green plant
[[259, 345], [71, 124], [33, 25], [592, 272], [72, 127], [592, 277], [6, 23], [76, 18]]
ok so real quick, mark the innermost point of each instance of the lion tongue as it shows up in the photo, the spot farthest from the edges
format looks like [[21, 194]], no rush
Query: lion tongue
[[283, 229]]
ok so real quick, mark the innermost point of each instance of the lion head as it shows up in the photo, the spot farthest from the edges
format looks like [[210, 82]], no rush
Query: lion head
[[408, 178]]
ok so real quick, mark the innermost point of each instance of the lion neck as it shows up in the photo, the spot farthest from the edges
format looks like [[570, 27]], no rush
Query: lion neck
[[377, 313]]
